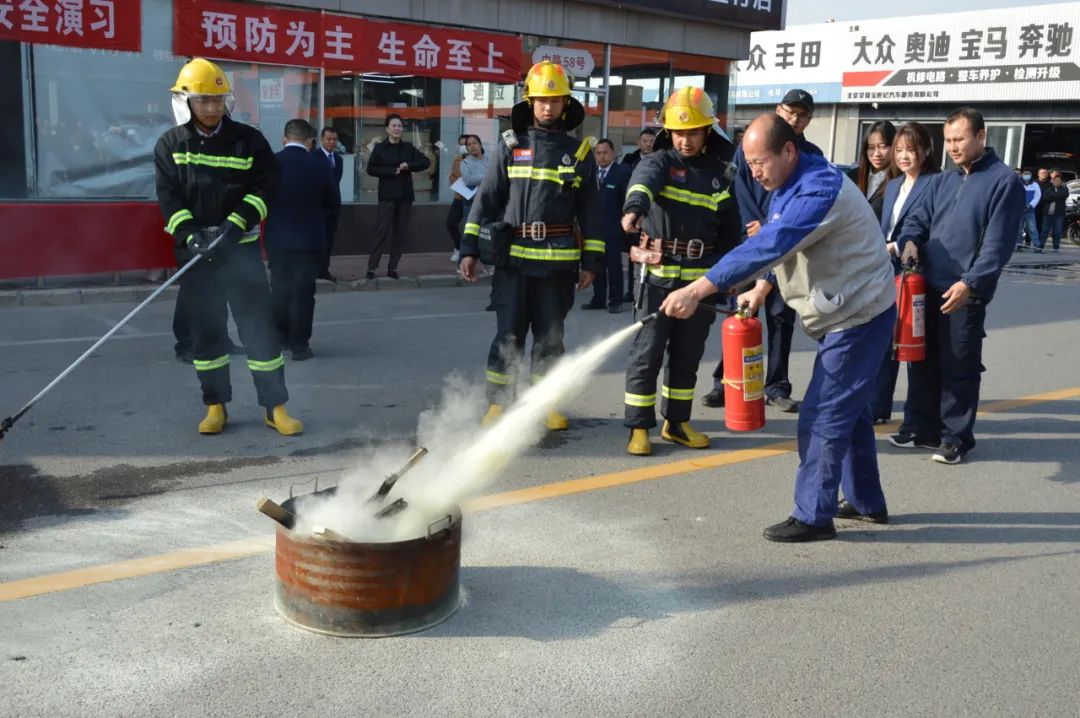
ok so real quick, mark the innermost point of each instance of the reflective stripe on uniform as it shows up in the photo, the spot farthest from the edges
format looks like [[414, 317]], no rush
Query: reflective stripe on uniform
[[211, 364], [495, 377], [639, 399], [678, 394], [237, 220], [673, 271], [266, 365], [536, 173], [545, 254], [249, 238], [696, 199], [196, 158], [178, 217], [594, 245], [472, 228], [257, 203], [640, 188]]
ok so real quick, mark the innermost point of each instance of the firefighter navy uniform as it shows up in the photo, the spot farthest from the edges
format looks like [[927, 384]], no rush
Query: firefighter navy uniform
[[537, 191], [204, 181], [691, 217]]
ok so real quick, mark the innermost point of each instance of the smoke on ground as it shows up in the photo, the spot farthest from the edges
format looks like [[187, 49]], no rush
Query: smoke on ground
[[462, 459]]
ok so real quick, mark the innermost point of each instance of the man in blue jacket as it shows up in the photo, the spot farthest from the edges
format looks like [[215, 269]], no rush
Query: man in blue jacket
[[797, 109], [296, 236], [823, 242], [964, 230]]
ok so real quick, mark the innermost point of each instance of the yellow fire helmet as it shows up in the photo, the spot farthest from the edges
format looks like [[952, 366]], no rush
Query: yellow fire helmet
[[201, 77], [546, 79], [688, 108]]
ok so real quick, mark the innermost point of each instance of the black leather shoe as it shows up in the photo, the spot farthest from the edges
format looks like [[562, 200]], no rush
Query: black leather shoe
[[795, 531], [393, 274], [847, 510], [615, 309], [592, 305], [714, 399], [784, 403], [302, 353]]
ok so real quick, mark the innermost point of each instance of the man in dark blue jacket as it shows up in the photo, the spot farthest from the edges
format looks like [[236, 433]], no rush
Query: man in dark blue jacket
[[797, 109], [611, 181], [964, 230], [296, 236], [327, 152]]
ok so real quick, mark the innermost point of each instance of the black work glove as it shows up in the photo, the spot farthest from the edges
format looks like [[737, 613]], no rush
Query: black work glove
[[199, 242], [230, 234]]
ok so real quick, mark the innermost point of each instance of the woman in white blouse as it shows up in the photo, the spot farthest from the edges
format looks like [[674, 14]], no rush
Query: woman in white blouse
[[913, 159]]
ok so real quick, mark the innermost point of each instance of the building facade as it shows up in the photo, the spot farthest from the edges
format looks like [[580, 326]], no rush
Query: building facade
[[1020, 67], [76, 170]]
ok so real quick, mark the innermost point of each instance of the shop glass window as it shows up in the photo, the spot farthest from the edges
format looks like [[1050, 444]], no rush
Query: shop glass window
[[431, 108]]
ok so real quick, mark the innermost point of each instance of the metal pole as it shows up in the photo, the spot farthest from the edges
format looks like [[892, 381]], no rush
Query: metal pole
[[607, 90], [10, 421]]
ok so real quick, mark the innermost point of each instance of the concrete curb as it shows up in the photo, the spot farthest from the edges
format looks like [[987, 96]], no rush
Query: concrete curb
[[66, 296]]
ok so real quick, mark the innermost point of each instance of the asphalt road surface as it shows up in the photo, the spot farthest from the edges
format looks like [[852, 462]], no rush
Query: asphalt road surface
[[136, 576]]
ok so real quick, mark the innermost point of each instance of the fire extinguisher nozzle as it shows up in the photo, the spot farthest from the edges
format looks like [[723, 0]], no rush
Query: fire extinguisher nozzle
[[648, 318]]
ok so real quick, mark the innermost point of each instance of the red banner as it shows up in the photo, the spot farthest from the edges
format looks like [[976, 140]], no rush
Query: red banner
[[102, 24], [256, 33]]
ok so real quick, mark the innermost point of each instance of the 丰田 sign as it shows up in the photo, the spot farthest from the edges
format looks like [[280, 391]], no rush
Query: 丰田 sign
[[1019, 54]]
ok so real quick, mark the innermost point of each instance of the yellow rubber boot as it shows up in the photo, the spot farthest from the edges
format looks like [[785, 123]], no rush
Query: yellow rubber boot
[[280, 420], [214, 423], [683, 433], [639, 443], [494, 412], [557, 422]]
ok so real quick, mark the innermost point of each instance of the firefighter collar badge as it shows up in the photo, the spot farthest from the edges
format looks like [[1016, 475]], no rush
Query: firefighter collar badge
[[566, 160], [715, 183]]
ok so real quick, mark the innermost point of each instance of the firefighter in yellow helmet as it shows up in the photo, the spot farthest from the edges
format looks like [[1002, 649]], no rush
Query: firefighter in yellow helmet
[[680, 198], [532, 220], [215, 179]]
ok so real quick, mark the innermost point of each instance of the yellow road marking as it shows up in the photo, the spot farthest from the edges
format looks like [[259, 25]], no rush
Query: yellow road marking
[[67, 580]]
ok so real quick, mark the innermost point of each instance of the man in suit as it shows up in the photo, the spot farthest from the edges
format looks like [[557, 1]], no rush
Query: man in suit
[[296, 236], [611, 182], [327, 152]]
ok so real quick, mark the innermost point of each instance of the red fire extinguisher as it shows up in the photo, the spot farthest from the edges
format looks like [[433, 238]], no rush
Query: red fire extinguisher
[[744, 373], [909, 336]]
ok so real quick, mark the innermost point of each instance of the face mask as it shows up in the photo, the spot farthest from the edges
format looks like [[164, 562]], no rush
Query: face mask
[[1027, 178]]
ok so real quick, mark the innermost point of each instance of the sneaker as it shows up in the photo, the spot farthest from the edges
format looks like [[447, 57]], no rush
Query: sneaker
[[905, 440], [455, 256], [795, 531], [784, 403], [949, 454], [714, 399], [847, 510]]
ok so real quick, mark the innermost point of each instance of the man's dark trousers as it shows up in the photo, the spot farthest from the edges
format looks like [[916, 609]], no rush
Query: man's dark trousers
[[523, 304], [292, 294], [611, 281], [780, 328], [234, 278], [943, 389], [837, 444], [391, 223]]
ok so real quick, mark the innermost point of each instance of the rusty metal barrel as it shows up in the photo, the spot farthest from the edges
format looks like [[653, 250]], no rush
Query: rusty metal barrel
[[371, 590]]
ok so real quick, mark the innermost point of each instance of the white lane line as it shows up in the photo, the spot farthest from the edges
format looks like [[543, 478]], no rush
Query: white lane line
[[158, 335]]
